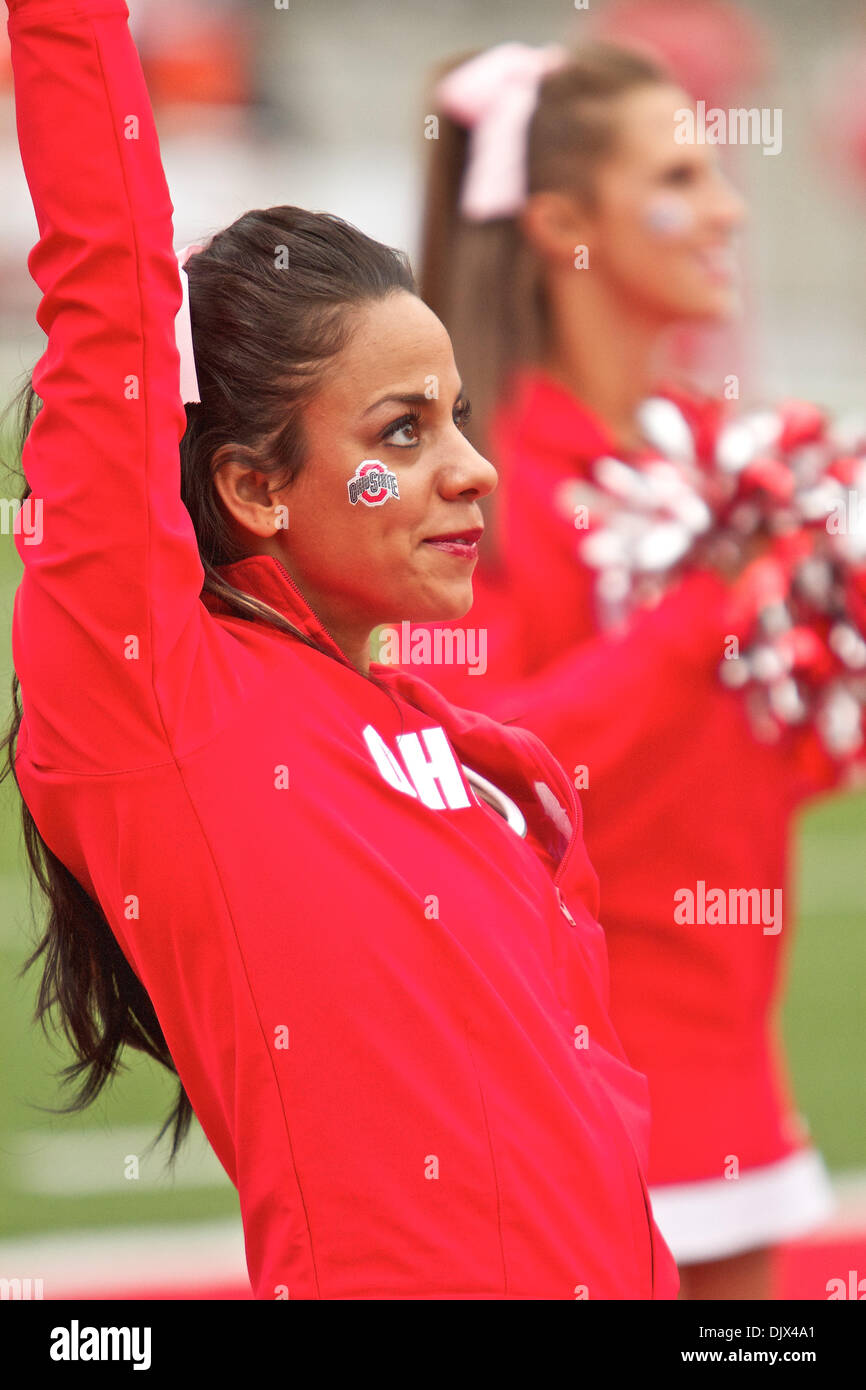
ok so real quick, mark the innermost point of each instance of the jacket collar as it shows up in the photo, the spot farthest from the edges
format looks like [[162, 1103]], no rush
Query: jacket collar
[[502, 753], [263, 577]]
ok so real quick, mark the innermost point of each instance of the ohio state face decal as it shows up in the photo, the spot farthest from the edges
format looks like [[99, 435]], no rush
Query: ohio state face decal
[[372, 483]]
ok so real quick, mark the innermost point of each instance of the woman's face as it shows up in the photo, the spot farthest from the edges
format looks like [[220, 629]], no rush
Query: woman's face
[[665, 217], [393, 396]]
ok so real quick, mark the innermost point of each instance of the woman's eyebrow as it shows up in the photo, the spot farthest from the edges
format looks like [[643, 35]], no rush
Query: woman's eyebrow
[[410, 398]]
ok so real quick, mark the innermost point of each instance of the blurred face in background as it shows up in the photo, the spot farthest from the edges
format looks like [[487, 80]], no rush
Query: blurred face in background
[[662, 224]]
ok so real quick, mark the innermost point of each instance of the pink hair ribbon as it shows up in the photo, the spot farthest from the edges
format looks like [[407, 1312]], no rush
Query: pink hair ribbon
[[494, 96], [189, 391]]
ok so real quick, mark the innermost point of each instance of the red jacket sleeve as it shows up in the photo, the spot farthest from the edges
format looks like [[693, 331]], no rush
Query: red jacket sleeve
[[110, 595], [612, 690]]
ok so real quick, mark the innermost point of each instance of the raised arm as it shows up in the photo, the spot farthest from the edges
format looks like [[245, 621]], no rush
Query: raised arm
[[110, 593]]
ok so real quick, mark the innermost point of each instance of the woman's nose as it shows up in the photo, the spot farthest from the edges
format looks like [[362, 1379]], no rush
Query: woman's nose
[[730, 207], [471, 471]]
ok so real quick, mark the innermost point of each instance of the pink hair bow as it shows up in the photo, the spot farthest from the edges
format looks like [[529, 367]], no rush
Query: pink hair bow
[[189, 391], [494, 96]]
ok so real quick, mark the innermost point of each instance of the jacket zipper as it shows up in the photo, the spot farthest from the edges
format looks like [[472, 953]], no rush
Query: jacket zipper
[[306, 602], [576, 819]]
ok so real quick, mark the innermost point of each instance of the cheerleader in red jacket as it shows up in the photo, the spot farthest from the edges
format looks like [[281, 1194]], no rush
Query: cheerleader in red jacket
[[566, 231], [358, 923]]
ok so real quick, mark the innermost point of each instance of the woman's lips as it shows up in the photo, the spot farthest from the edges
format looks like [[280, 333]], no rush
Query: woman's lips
[[462, 544], [719, 263], [465, 551]]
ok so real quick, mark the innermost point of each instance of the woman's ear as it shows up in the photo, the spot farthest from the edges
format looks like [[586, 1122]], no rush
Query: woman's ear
[[554, 224], [245, 495]]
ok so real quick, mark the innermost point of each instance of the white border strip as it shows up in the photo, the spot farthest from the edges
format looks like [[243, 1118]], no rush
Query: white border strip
[[709, 1220]]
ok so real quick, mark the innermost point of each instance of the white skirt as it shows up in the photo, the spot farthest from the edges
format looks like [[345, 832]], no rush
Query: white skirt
[[728, 1216]]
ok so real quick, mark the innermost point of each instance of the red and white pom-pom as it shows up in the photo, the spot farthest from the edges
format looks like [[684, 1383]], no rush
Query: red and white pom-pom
[[786, 482]]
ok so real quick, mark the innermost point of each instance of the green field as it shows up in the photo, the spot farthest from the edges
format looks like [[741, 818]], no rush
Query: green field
[[823, 1024]]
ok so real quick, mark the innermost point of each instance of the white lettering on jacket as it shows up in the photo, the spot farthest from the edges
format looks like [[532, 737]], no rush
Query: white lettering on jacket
[[432, 776]]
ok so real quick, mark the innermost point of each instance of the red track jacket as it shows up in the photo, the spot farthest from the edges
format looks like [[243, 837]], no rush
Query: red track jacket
[[388, 1010]]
